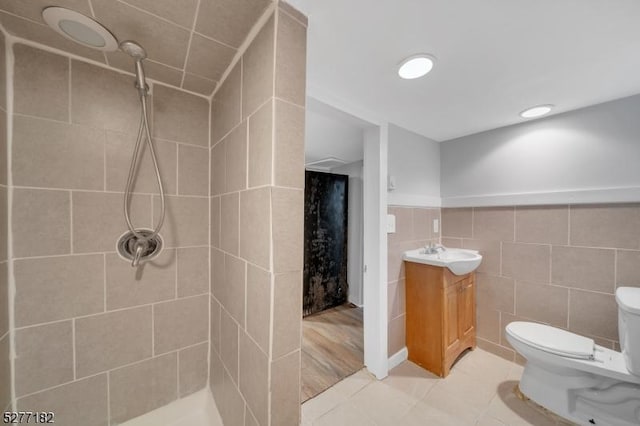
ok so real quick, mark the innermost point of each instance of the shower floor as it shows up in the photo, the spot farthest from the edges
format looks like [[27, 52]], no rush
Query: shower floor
[[332, 348], [197, 409]]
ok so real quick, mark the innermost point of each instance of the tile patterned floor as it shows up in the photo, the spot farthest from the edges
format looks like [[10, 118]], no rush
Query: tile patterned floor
[[478, 392]]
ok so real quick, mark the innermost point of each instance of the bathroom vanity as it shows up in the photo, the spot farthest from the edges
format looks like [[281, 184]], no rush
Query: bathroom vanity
[[441, 314]]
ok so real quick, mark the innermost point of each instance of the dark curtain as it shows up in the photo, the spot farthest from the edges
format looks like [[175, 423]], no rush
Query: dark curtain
[[325, 241]]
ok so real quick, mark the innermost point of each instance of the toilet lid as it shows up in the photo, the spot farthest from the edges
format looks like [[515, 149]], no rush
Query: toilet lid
[[552, 340]]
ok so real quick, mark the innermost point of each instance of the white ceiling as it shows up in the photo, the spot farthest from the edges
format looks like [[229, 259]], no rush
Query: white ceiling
[[327, 135], [494, 58]]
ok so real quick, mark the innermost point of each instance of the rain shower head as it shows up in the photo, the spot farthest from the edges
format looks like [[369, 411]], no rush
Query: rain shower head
[[133, 49], [79, 28]]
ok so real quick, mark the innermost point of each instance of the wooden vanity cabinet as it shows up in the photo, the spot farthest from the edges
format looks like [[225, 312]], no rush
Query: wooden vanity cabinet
[[441, 316]]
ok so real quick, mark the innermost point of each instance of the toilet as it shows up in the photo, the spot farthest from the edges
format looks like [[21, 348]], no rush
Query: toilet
[[575, 378]]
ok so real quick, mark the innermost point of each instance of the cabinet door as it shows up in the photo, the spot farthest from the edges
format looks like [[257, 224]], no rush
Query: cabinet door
[[451, 318], [466, 307]]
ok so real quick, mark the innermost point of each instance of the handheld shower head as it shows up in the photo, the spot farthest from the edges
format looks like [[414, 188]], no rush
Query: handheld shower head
[[133, 49], [138, 53]]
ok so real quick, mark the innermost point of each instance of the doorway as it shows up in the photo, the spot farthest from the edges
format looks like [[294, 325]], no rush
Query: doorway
[[333, 332]]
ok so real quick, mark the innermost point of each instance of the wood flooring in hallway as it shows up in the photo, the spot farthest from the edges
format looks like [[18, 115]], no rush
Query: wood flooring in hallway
[[332, 348]]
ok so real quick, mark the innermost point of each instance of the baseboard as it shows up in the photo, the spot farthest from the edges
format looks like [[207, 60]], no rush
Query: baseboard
[[398, 358]]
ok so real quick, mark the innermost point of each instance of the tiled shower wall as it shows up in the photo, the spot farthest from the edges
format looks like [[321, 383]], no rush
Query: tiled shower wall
[[558, 265], [91, 332], [257, 181], [5, 366], [414, 229]]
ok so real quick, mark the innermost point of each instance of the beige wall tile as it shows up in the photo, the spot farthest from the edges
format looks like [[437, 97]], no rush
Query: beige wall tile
[[183, 15], [226, 105], [198, 84], [542, 224], [43, 34], [192, 369], [179, 116], [208, 58], [3, 145], [232, 407], [41, 83], [193, 170], [153, 70], [254, 378], [291, 60], [488, 323], [595, 314], [193, 271], [5, 371], [422, 224], [33, 11], [627, 268], [217, 271], [293, 12], [606, 225], [255, 225], [395, 264], [490, 251], [287, 312], [543, 303], [457, 222], [4, 222], [493, 223], [249, 419], [288, 228], [289, 145], [495, 292], [228, 21], [236, 159], [396, 299], [98, 221], [44, 357], [216, 377], [118, 108], [153, 282], [230, 291], [119, 151], [219, 168], [285, 390], [259, 306], [163, 41], [57, 155], [114, 339], [526, 262], [404, 225], [68, 286], [453, 242], [40, 212], [90, 394], [229, 223], [229, 344], [214, 224], [585, 268], [4, 304], [3, 73], [257, 69], [142, 387], [214, 329], [186, 221], [501, 351], [180, 323], [260, 146], [397, 339]]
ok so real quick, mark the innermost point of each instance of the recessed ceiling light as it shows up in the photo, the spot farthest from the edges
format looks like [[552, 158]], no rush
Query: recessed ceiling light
[[416, 66], [79, 28], [536, 111]]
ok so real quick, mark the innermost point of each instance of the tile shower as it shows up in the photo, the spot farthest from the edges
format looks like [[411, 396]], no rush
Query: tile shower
[[221, 305]]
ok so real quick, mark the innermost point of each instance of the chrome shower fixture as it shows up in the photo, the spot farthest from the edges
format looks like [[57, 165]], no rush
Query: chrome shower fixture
[[138, 54]]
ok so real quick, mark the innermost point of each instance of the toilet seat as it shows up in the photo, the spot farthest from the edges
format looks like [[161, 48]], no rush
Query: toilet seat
[[552, 340]]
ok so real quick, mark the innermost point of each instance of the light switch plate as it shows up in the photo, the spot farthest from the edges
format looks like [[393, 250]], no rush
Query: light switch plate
[[391, 224], [436, 226]]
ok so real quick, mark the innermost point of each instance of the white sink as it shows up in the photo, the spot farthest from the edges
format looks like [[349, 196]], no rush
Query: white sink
[[459, 261]]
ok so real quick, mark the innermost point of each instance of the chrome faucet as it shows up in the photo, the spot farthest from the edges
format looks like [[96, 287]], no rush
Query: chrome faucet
[[432, 248], [140, 248]]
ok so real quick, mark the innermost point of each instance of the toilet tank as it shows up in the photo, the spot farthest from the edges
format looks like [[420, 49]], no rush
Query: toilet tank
[[628, 299]]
